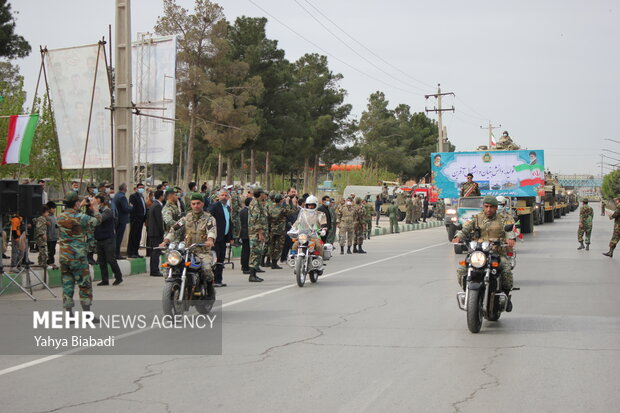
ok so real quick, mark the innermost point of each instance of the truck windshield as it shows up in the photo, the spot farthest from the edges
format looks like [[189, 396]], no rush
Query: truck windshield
[[470, 203]]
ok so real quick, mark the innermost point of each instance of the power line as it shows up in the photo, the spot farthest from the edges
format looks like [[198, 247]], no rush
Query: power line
[[355, 51], [474, 110], [331, 55], [367, 49]]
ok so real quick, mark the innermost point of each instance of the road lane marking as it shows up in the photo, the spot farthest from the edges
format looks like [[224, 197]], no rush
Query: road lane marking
[[225, 305]]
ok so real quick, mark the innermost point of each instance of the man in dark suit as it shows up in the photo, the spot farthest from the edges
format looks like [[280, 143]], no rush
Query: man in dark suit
[[137, 218], [221, 212], [155, 231], [122, 209]]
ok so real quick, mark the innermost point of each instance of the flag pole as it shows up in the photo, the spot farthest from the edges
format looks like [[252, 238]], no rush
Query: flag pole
[[49, 106], [90, 114]]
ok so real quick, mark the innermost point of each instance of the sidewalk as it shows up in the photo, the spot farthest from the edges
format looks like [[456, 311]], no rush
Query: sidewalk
[[135, 266]]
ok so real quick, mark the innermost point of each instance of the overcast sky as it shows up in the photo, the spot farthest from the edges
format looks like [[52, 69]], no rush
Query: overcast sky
[[547, 71]]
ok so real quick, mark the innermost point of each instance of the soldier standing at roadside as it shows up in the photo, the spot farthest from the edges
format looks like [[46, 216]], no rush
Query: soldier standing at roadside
[[359, 226], [257, 228], [346, 225], [277, 223], [392, 213], [616, 234], [585, 225], [73, 226]]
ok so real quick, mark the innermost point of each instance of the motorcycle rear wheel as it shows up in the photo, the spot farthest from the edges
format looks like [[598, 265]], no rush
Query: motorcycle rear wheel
[[314, 276], [474, 310]]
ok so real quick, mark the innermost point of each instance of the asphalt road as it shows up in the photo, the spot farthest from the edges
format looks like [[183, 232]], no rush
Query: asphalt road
[[382, 332]]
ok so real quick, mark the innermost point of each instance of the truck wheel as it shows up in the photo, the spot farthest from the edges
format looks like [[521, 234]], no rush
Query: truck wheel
[[451, 231], [527, 224], [401, 215], [549, 216]]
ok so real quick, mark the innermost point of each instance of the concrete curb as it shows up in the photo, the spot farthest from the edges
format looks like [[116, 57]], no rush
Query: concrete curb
[[134, 266]]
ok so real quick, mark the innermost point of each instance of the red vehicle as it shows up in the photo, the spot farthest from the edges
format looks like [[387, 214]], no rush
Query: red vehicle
[[428, 191]]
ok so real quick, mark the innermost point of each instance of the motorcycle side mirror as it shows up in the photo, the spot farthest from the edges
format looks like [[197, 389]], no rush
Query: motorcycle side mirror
[[508, 228]]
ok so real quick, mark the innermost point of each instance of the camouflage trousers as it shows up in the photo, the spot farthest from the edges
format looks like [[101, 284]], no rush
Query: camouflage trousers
[[207, 265], [368, 228], [91, 244], [417, 214], [75, 272], [409, 216], [504, 267], [615, 237], [257, 250], [345, 236], [360, 232], [236, 226], [394, 225], [42, 247], [584, 229], [275, 246], [331, 236]]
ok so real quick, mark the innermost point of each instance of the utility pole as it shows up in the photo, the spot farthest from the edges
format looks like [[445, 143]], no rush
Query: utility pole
[[123, 136], [439, 110], [491, 127]]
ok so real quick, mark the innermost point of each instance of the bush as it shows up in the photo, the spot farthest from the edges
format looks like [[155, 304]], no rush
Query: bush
[[611, 185]]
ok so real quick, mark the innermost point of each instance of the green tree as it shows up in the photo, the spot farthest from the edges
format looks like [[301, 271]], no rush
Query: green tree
[[202, 45], [611, 185], [11, 44]]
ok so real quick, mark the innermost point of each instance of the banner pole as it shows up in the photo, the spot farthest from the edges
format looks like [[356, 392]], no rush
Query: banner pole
[[49, 105]]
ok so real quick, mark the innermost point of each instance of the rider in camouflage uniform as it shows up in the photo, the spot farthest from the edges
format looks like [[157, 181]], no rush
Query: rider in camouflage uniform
[[359, 226], [197, 226], [346, 225], [257, 229], [73, 226], [277, 224], [489, 226], [585, 225], [439, 211]]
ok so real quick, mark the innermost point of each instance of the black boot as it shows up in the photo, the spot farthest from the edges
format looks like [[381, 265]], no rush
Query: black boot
[[355, 248], [91, 258], [581, 246], [348, 250], [360, 250], [275, 266], [509, 304], [341, 250], [267, 262], [587, 247], [610, 253], [253, 277], [86, 308], [259, 269], [262, 261]]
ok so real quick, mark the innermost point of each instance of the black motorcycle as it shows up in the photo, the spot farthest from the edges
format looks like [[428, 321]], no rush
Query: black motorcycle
[[185, 283], [483, 297]]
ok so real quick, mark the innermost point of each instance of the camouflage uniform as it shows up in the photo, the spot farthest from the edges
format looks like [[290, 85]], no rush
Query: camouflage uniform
[[392, 212], [369, 213], [236, 207], [40, 237], [470, 188], [490, 229], [585, 223], [277, 226], [616, 235], [171, 215], [91, 242], [440, 209], [346, 224], [409, 214], [197, 228], [417, 209], [257, 221], [73, 226], [360, 222], [331, 236]]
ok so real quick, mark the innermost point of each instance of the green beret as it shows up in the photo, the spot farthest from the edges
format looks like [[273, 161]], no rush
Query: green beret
[[197, 196], [71, 196], [490, 199], [170, 191]]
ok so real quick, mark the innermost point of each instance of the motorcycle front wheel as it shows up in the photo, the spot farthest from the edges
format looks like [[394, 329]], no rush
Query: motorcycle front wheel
[[474, 310], [170, 299], [314, 276], [300, 272]]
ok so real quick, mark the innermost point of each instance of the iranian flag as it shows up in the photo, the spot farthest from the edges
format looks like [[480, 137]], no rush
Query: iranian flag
[[19, 142], [530, 174]]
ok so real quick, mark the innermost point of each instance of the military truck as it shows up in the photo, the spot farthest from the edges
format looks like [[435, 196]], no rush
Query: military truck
[[517, 175]]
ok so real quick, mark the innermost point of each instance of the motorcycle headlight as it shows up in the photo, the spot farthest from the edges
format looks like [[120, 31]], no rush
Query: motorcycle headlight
[[303, 237], [478, 259], [174, 258]]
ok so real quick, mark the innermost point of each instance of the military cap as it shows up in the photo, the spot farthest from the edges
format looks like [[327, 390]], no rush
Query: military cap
[[490, 199], [278, 197], [170, 191], [71, 196], [91, 185], [196, 196]]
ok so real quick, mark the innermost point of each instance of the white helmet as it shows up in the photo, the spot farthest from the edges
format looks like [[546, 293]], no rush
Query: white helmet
[[501, 200], [312, 200]]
